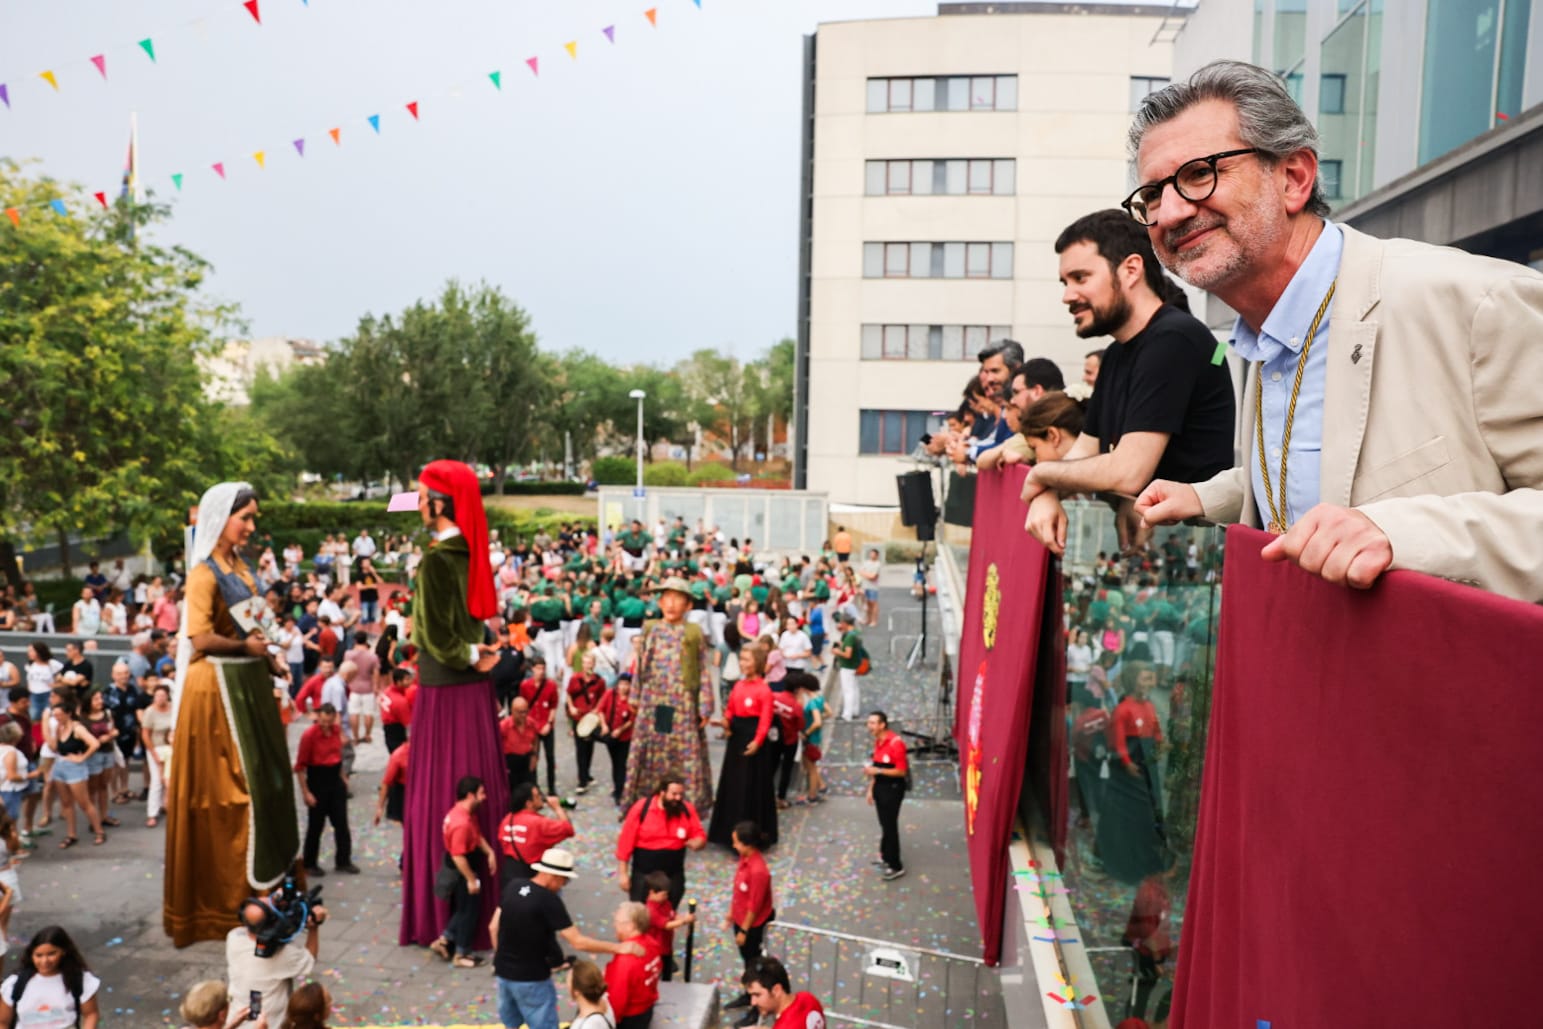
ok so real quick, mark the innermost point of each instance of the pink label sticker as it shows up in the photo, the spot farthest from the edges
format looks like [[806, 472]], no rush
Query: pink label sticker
[[403, 502]]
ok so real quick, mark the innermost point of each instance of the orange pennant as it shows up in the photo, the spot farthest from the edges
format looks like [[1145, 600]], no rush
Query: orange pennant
[[573, 49], [101, 198], [48, 77], [334, 134], [652, 14], [15, 216]]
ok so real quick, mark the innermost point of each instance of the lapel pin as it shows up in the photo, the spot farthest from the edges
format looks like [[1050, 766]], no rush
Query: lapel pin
[[1355, 354]]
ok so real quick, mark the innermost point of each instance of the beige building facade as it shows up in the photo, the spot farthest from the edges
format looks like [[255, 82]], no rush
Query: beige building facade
[[942, 157]]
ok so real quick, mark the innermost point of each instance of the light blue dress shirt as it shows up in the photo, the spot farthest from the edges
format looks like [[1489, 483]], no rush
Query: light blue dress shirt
[[1279, 345]]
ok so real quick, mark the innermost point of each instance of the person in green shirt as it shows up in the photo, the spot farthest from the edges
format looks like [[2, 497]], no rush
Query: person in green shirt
[[635, 543], [630, 612], [848, 651]]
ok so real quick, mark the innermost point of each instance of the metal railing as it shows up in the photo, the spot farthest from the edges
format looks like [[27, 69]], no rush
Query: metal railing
[[849, 743], [885, 985]]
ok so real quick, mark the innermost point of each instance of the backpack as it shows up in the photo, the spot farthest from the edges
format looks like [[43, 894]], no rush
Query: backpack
[[864, 659], [24, 976]]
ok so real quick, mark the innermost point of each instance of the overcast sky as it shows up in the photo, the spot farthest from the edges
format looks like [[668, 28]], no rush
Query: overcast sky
[[640, 201]]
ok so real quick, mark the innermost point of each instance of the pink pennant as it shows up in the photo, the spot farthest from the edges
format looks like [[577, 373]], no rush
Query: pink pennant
[[535, 65], [403, 502], [100, 60], [219, 168]]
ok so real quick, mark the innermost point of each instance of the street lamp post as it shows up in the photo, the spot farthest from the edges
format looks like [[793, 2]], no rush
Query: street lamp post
[[638, 395]]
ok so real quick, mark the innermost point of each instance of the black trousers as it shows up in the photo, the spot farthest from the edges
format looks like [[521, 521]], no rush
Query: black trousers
[[754, 938], [395, 734], [520, 771], [642, 1020], [326, 784], [461, 929], [549, 745], [784, 759], [618, 749], [886, 799], [671, 862], [585, 748]]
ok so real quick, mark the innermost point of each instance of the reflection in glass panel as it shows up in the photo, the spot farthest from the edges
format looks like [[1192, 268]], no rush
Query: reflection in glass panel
[[983, 93], [1513, 59], [873, 178], [1141, 635], [728, 512], [1004, 177], [1339, 107], [1366, 172], [899, 177], [786, 528], [924, 95], [873, 342], [1007, 93], [1459, 74], [878, 95], [814, 526], [1290, 42], [959, 94], [921, 177]]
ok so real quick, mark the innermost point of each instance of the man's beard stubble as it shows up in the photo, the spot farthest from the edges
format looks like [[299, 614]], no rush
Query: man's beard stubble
[[1107, 320], [673, 808]]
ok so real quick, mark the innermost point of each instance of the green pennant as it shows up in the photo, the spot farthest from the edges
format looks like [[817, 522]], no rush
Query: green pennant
[[177, 181], [148, 47], [497, 77]]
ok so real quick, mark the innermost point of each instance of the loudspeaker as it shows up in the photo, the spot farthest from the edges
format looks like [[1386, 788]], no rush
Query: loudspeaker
[[917, 507]]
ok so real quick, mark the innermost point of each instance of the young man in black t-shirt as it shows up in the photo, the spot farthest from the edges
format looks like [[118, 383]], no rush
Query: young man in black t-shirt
[[530, 918], [1164, 405]]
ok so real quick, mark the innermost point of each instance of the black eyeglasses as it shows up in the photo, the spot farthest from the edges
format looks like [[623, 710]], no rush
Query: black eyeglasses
[[1194, 181]]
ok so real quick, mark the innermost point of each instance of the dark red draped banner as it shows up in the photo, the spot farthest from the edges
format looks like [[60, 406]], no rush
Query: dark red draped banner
[[997, 657], [1369, 842]]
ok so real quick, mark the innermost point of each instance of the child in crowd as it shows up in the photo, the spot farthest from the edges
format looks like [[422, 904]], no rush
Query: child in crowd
[[662, 919], [586, 985]]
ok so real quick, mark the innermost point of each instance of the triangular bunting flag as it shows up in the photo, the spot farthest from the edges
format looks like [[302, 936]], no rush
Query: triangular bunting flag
[[698, 4], [300, 147], [261, 157], [535, 65], [412, 109], [335, 133], [101, 198], [652, 14], [219, 168], [148, 47], [374, 121], [5, 95], [48, 77], [498, 80], [176, 180], [58, 206], [573, 49], [251, 7], [15, 216], [610, 32], [100, 60]]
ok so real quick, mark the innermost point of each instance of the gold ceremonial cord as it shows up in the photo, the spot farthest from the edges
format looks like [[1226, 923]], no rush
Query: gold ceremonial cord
[[1278, 516]]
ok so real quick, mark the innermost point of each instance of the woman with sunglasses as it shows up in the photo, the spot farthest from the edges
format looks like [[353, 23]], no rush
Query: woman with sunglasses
[[75, 745]]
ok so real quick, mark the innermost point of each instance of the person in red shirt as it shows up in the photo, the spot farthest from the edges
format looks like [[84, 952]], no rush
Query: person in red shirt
[[541, 694], [309, 697], [393, 786], [1132, 839], [656, 832], [887, 773], [585, 691], [662, 919], [474, 860], [617, 716], [632, 982], [789, 714], [751, 907], [525, 833], [319, 769], [1090, 733], [1136, 718], [746, 783], [396, 708], [326, 638], [771, 993], [517, 734]]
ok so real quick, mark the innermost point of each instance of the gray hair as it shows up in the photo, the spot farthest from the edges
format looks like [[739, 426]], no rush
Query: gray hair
[[1268, 118]]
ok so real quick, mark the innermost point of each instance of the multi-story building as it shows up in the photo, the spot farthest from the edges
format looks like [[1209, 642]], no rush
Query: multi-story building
[[942, 157], [228, 375], [1430, 111]]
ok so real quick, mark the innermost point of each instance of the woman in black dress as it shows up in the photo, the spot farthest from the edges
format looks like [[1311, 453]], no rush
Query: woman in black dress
[[745, 785]]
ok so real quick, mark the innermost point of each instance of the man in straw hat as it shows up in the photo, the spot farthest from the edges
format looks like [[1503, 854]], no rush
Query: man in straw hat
[[673, 696]]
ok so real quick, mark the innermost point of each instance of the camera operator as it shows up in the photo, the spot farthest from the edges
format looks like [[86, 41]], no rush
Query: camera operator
[[274, 976]]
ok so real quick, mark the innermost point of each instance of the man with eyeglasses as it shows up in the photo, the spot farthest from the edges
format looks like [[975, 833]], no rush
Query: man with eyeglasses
[[1164, 406], [1391, 408]]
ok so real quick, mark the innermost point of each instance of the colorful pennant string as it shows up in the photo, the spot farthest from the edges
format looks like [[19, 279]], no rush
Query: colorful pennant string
[[300, 147], [497, 78], [148, 47], [100, 60], [251, 7]]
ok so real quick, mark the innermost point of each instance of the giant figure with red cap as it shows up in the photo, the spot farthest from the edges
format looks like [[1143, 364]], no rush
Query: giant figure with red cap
[[455, 728]]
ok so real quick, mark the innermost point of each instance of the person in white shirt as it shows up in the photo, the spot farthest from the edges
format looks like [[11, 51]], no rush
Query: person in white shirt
[[293, 555], [115, 617], [795, 645], [274, 976], [87, 616], [121, 579], [56, 991], [364, 545], [330, 607], [10, 675]]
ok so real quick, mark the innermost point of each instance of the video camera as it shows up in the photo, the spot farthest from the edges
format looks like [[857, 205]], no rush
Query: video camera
[[287, 913]]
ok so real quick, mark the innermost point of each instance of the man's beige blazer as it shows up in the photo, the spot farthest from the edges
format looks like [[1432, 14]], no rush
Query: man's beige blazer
[[1432, 414]]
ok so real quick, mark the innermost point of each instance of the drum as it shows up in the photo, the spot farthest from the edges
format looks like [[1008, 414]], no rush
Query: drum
[[588, 727]]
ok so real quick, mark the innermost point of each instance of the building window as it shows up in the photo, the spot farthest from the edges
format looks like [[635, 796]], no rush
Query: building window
[[954, 93], [1329, 172], [1475, 59], [928, 342], [1331, 93], [1143, 86], [894, 432], [980, 176], [937, 260]]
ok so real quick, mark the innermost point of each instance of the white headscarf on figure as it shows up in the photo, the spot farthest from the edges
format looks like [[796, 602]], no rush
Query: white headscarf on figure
[[213, 512]]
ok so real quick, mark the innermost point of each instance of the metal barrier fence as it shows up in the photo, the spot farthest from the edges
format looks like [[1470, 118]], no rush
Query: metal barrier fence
[[927, 739], [885, 985]]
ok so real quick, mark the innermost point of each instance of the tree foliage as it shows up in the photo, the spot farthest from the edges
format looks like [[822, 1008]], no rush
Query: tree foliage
[[101, 330]]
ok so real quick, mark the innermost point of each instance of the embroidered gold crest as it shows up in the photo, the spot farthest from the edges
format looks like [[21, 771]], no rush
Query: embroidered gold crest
[[993, 604]]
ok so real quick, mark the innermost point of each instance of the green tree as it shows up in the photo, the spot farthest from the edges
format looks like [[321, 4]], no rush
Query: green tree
[[101, 330]]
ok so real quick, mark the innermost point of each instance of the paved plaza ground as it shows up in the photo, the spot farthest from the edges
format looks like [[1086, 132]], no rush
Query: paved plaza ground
[[109, 897]]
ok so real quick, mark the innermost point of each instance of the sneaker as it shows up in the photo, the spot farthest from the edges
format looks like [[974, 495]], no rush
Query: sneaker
[[892, 873], [315, 871], [582, 789], [878, 863], [350, 868]]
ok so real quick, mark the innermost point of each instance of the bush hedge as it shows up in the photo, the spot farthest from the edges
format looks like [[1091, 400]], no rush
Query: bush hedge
[[614, 471], [309, 524], [709, 473], [514, 488], [665, 473]]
